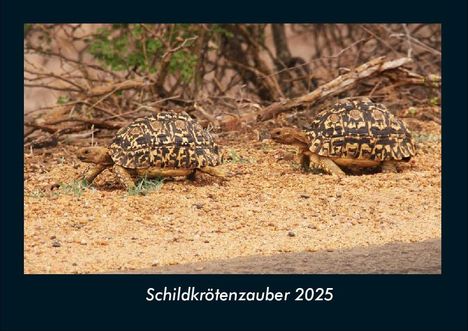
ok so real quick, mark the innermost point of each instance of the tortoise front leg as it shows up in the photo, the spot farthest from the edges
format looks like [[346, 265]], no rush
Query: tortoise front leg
[[92, 172], [326, 164], [124, 176]]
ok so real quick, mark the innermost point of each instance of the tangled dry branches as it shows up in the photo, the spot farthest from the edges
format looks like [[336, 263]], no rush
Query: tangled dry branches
[[220, 72]]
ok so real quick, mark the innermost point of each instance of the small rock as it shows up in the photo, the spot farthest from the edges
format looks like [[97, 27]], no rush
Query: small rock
[[305, 196], [155, 263], [198, 205], [53, 237], [83, 242], [291, 234], [199, 268], [206, 241], [56, 243], [74, 264]]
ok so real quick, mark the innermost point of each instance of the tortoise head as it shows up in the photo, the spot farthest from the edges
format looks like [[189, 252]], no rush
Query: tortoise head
[[98, 155], [289, 136]]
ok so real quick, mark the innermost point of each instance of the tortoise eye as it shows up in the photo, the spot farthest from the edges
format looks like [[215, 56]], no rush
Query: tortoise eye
[[86, 151]]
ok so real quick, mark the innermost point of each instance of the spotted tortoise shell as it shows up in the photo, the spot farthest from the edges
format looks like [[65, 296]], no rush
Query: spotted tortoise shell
[[167, 139], [360, 129]]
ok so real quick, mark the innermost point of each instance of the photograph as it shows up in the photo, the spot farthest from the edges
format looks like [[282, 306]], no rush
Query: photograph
[[272, 148]]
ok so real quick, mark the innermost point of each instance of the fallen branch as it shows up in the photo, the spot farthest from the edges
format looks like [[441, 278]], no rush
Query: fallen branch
[[405, 77], [75, 137], [111, 88], [56, 131], [97, 123], [45, 128], [334, 87]]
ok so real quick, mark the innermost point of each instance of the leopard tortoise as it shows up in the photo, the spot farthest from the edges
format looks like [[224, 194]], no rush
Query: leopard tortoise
[[353, 133], [167, 144]]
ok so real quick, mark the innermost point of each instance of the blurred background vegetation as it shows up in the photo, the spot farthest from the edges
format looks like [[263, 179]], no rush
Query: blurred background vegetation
[[100, 76]]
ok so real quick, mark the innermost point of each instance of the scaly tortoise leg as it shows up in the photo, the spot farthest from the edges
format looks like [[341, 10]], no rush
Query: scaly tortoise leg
[[326, 164], [305, 161], [124, 176], [91, 173], [389, 167], [192, 176]]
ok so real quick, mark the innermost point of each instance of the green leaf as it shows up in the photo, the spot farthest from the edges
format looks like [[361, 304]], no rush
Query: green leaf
[[63, 100]]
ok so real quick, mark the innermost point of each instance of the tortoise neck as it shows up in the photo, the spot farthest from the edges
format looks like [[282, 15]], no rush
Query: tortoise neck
[[300, 139], [104, 157], [107, 159]]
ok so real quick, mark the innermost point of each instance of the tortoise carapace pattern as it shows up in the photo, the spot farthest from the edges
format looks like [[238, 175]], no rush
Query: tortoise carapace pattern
[[360, 129], [173, 140]]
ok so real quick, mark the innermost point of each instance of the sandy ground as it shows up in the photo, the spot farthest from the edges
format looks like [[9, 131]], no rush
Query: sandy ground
[[268, 211]]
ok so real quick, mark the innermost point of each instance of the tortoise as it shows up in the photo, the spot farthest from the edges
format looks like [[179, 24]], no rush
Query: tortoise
[[167, 144], [353, 133]]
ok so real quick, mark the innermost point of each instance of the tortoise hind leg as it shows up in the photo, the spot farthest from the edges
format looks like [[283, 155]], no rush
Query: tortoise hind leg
[[213, 172], [192, 176], [389, 167], [124, 176], [326, 164], [305, 162]]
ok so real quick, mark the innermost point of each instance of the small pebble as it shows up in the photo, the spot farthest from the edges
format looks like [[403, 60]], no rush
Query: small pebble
[[56, 244], [198, 205], [291, 234]]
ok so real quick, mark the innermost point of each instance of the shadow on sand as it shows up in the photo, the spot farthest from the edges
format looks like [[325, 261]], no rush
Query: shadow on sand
[[395, 258]]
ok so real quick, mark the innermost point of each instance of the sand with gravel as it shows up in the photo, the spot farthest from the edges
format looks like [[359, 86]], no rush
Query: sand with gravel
[[268, 207]]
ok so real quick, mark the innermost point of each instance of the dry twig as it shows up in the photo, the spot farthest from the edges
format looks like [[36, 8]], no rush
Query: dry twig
[[336, 86]]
